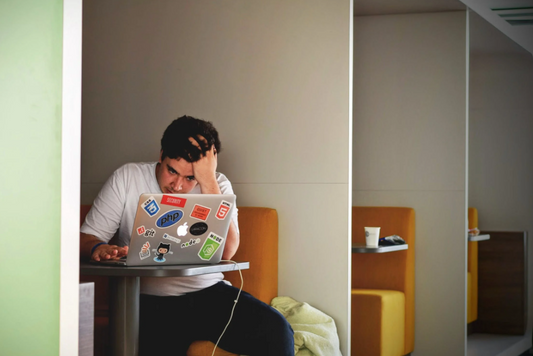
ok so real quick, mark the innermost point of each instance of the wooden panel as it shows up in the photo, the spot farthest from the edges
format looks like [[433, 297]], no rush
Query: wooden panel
[[502, 283]]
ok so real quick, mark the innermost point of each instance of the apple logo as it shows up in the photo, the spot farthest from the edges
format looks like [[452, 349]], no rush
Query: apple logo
[[182, 230]]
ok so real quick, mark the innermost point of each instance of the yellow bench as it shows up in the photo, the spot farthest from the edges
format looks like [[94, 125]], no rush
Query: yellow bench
[[383, 285]]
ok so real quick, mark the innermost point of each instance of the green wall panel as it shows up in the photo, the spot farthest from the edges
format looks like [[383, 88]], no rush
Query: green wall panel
[[30, 165]]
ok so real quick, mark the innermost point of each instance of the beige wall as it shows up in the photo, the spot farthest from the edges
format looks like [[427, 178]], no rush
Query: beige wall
[[274, 77], [409, 149]]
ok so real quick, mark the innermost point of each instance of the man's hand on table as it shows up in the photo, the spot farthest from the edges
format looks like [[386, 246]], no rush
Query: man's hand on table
[[109, 252]]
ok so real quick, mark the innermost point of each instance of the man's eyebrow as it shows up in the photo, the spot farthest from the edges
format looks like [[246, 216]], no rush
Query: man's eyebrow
[[171, 168]]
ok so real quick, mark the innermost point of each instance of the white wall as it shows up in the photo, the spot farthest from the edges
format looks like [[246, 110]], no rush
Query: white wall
[[501, 146], [274, 77], [409, 149]]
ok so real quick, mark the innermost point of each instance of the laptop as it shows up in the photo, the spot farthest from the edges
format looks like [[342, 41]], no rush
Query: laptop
[[176, 229]]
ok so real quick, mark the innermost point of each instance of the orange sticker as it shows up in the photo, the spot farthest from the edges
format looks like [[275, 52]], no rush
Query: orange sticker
[[200, 212]]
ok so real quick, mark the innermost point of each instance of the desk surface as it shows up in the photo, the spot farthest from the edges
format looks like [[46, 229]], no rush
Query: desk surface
[[483, 237], [93, 269], [362, 248]]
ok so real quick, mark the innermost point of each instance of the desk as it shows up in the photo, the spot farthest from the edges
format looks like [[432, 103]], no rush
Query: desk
[[483, 237], [125, 295], [362, 248]]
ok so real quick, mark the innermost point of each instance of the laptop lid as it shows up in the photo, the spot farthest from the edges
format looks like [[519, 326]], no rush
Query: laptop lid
[[174, 229]]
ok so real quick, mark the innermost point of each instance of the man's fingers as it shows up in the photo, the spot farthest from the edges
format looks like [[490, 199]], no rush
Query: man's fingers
[[194, 142], [200, 142], [109, 252], [202, 139]]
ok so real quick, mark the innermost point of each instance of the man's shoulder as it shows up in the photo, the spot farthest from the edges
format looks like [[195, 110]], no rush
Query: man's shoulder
[[221, 177], [135, 168]]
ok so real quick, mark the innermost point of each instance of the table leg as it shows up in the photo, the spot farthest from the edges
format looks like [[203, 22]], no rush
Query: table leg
[[124, 315]]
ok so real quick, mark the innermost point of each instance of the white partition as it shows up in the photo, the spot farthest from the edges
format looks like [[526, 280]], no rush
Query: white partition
[[410, 150], [274, 78]]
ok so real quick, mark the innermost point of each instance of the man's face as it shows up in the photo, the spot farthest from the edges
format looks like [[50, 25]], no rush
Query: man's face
[[175, 176]]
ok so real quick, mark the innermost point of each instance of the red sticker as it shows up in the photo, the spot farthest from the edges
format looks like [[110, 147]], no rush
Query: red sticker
[[200, 212], [223, 210], [174, 201], [141, 230]]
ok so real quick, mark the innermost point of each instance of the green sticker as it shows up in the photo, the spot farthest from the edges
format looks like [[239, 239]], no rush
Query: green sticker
[[211, 245]]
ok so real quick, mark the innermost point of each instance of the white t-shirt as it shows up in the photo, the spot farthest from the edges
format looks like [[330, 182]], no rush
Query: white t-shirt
[[113, 212]]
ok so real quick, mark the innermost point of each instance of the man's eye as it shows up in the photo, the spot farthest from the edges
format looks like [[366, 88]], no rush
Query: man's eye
[[190, 178]]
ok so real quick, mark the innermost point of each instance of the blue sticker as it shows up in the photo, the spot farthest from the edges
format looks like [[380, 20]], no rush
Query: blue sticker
[[169, 218], [150, 206]]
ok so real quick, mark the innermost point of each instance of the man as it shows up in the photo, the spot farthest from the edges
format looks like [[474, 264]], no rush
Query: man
[[179, 310]]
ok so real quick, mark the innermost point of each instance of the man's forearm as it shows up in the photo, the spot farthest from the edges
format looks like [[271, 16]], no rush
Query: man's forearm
[[232, 242], [210, 187], [87, 242]]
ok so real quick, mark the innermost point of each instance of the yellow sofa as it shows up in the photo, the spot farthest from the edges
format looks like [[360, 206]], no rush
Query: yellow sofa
[[383, 285], [259, 245], [472, 275]]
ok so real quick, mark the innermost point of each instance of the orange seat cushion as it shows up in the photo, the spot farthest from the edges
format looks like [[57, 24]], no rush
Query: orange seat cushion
[[378, 320]]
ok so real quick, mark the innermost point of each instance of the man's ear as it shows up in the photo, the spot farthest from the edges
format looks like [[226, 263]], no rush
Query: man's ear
[[160, 156]]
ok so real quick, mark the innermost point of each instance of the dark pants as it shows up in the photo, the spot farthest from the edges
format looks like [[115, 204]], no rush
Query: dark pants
[[168, 325]]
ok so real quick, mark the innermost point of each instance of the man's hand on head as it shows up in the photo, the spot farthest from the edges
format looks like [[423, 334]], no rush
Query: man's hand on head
[[205, 168], [109, 252]]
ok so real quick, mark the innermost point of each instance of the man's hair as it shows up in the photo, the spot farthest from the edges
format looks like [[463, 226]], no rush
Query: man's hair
[[175, 141]]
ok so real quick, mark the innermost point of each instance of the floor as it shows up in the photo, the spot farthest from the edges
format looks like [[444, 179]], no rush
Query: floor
[[498, 345]]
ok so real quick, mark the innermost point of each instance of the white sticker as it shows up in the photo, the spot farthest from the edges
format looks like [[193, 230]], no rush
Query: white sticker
[[171, 238]]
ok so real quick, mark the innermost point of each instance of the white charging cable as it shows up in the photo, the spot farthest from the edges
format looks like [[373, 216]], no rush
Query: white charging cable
[[234, 305]]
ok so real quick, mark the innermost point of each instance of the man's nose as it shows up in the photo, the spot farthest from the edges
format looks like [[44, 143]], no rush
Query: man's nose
[[178, 183]]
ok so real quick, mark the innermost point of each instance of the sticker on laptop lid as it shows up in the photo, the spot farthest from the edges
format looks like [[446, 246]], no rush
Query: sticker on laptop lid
[[169, 218], [145, 251], [210, 246], [182, 229], [146, 233], [191, 242], [161, 251], [223, 210], [141, 230], [198, 229], [200, 212], [171, 238], [174, 201], [150, 206]]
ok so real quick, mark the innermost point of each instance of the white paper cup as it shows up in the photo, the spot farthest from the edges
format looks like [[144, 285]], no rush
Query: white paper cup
[[372, 236]]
